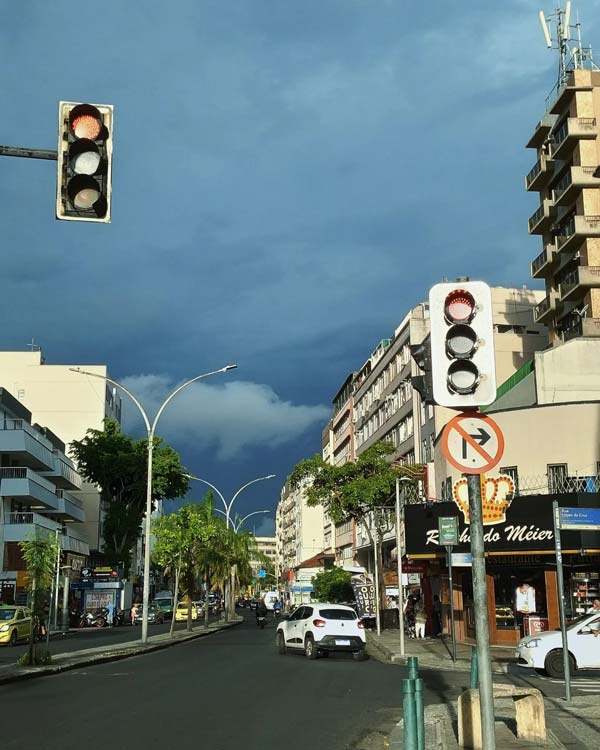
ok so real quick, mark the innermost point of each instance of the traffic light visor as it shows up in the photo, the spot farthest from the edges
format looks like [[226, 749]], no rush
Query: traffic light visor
[[459, 306]]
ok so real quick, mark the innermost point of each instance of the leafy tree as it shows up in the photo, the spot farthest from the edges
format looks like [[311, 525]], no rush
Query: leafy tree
[[333, 585], [39, 553], [363, 490], [117, 464]]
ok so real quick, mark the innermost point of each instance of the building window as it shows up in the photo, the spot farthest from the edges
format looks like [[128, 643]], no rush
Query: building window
[[557, 478], [513, 473], [447, 489]]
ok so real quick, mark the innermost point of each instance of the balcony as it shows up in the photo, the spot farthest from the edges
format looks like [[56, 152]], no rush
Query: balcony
[[20, 526], [574, 231], [542, 218], [63, 473], [18, 481], [584, 327], [542, 265], [574, 179], [541, 173], [25, 445], [69, 506], [572, 130], [541, 132], [75, 540], [578, 281], [544, 310], [578, 80]]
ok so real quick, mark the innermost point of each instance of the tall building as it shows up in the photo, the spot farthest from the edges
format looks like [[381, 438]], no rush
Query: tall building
[[38, 484], [567, 177], [68, 404]]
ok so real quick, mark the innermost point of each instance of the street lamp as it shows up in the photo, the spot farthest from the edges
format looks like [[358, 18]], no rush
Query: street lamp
[[236, 526], [150, 429]]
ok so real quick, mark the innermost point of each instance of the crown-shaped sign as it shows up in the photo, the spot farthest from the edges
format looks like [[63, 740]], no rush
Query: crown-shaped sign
[[496, 497]]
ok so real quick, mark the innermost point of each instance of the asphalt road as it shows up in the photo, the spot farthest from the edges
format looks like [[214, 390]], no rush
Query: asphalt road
[[226, 691], [83, 638]]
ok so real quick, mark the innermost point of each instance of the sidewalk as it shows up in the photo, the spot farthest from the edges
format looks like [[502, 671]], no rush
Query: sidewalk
[[434, 653], [101, 654]]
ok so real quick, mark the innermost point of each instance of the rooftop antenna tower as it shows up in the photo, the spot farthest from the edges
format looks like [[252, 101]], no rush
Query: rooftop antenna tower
[[570, 58]]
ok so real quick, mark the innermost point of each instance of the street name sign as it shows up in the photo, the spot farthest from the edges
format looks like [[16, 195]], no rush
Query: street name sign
[[472, 443], [262, 573], [448, 528], [579, 519]]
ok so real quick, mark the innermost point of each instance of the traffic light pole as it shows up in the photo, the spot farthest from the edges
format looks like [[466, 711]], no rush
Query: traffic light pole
[[486, 688], [28, 153]]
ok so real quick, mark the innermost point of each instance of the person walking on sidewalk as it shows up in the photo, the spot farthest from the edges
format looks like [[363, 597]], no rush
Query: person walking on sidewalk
[[420, 618], [436, 619]]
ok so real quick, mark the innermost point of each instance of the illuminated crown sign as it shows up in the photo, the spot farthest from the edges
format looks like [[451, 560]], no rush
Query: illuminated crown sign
[[496, 495]]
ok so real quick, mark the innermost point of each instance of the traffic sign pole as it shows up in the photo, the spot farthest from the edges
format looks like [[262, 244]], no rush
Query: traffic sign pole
[[486, 689], [561, 599], [453, 633]]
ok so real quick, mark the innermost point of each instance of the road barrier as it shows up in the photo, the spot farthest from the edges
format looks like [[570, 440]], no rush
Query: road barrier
[[413, 708]]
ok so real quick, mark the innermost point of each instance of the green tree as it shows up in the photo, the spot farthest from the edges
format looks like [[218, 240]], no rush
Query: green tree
[[333, 585], [117, 464], [39, 553], [363, 490]]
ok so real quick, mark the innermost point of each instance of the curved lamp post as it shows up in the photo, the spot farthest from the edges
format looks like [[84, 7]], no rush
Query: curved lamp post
[[150, 429]]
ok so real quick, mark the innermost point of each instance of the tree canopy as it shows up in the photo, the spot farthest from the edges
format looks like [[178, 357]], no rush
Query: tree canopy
[[333, 585], [117, 464]]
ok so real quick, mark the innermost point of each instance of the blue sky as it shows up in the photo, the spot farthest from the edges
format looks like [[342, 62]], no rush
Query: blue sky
[[288, 178]]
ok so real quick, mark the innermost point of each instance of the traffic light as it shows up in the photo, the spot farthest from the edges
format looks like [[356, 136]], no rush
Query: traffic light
[[462, 344], [83, 183], [421, 353]]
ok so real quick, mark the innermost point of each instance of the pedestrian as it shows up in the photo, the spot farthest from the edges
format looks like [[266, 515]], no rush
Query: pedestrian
[[437, 617], [595, 607], [420, 618]]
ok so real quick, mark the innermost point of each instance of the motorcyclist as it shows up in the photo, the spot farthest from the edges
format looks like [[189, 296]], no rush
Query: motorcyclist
[[261, 609], [277, 607]]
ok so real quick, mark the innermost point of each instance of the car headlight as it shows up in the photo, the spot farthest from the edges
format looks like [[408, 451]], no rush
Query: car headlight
[[4, 629], [533, 643]]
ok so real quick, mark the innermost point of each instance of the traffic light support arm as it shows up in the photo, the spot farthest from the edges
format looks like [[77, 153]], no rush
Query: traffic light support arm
[[28, 153]]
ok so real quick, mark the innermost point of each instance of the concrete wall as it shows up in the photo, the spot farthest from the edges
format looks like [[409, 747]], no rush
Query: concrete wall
[[569, 373]]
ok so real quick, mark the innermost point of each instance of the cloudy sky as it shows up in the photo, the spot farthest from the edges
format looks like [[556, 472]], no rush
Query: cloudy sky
[[288, 178]]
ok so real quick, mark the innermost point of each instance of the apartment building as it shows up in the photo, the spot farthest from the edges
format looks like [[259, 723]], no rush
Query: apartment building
[[567, 178], [38, 486], [327, 454], [299, 529], [69, 404]]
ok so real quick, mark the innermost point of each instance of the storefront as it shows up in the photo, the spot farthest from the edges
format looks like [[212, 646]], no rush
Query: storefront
[[520, 564]]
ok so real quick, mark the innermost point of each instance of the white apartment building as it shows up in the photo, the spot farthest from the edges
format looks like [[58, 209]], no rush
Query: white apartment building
[[299, 529], [38, 485], [68, 404]]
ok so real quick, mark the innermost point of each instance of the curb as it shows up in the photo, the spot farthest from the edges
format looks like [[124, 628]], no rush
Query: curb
[[386, 655], [116, 654]]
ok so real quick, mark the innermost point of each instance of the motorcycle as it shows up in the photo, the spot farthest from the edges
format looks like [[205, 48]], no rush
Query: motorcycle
[[121, 617], [97, 619], [261, 621]]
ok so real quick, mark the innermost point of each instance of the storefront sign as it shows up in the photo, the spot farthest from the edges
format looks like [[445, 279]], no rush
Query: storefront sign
[[448, 530], [364, 593], [96, 599], [99, 574], [461, 559], [528, 527], [534, 625]]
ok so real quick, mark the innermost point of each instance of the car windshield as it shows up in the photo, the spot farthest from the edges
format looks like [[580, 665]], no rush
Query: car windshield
[[7, 614], [578, 621], [338, 614]]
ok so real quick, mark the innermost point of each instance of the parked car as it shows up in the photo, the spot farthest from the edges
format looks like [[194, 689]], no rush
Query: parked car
[[319, 629], [544, 650], [155, 615], [15, 624], [181, 613]]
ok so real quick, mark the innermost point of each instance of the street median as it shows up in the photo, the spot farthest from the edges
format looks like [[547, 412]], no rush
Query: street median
[[101, 654]]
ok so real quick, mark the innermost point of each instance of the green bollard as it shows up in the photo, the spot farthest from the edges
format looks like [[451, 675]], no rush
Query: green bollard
[[413, 667], [474, 669], [420, 711], [410, 715]]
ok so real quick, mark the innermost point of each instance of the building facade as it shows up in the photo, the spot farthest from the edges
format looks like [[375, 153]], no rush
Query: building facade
[[38, 495]]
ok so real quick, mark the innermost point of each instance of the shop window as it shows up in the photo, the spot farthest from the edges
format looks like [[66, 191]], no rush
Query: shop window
[[557, 478]]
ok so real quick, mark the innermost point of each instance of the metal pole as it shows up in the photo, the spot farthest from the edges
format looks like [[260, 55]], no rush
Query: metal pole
[[28, 153], [377, 608], [65, 610], [56, 583], [399, 561], [452, 630], [486, 689], [146, 589], [561, 600]]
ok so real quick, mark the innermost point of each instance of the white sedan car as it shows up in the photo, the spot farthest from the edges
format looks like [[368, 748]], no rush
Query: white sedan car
[[318, 629], [544, 650]]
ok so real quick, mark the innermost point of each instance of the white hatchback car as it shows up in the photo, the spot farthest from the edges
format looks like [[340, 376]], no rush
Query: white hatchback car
[[544, 650], [318, 629]]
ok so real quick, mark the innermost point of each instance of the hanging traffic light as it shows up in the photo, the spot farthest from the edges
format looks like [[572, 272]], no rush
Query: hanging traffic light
[[83, 184], [462, 344]]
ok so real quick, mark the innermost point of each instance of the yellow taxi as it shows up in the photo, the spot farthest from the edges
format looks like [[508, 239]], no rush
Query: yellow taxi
[[181, 613], [15, 624]]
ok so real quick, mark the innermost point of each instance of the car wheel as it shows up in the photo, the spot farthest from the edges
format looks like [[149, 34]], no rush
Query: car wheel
[[324, 654], [281, 648], [359, 655], [100, 622], [13, 638], [310, 648], [554, 664]]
